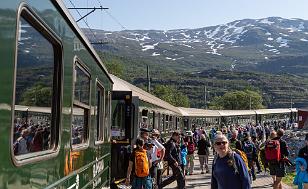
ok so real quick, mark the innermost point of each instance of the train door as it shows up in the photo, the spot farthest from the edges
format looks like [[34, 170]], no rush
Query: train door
[[121, 132]]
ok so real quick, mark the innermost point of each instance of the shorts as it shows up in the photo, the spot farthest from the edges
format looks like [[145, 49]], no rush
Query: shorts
[[277, 169], [142, 183]]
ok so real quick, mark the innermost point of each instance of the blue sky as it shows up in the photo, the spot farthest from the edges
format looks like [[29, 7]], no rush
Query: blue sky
[[178, 14]]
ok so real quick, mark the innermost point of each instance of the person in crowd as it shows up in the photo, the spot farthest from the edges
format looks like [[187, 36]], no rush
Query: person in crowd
[[20, 146], [275, 157], [234, 142], [157, 155], [183, 152], [139, 165], [172, 157], [301, 166], [228, 170], [257, 144], [251, 153], [203, 153], [183, 156], [212, 137], [191, 147], [301, 177]]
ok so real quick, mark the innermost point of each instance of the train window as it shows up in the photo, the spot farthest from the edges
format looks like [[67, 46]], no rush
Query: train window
[[100, 112], [118, 120], [37, 90], [81, 106], [162, 123]]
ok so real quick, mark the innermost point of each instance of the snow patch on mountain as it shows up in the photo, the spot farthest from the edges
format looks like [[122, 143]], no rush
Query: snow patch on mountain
[[148, 47], [155, 54], [266, 21], [283, 42], [267, 45]]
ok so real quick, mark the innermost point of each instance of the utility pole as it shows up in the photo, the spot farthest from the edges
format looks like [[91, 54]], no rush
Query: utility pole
[[149, 79], [205, 106], [249, 102]]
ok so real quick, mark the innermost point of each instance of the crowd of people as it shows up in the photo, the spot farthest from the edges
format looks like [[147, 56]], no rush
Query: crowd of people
[[31, 135], [240, 153]]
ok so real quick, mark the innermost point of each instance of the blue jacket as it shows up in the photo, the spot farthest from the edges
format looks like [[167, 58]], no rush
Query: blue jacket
[[184, 154], [301, 176], [224, 175]]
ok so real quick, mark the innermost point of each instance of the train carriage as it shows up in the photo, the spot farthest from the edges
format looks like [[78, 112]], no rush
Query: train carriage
[[55, 100], [132, 109]]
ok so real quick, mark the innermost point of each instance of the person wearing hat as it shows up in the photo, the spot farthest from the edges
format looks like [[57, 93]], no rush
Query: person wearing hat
[[157, 155]]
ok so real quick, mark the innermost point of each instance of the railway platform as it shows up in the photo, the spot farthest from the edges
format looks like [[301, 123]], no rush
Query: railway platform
[[203, 181]]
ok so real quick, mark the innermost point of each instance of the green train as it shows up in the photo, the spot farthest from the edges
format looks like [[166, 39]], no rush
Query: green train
[[64, 121], [55, 100]]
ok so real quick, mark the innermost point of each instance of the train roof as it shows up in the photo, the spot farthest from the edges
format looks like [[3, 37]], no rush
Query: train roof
[[275, 111], [79, 33], [121, 85], [193, 112]]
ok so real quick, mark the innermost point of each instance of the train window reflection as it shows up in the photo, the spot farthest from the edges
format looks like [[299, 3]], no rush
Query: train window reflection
[[118, 120], [79, 125], [82, 86], [81, 108], [33, 92]]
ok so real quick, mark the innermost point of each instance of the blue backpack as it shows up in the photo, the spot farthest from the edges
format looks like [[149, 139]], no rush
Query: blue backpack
[[248, 148]]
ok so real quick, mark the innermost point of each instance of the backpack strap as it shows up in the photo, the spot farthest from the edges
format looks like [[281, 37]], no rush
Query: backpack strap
[[234, 163]]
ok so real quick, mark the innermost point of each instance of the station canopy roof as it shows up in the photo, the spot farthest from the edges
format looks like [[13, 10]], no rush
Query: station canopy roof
[[121, 85]]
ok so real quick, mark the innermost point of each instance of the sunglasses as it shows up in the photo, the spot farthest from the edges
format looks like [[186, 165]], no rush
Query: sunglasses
[[220, 143]]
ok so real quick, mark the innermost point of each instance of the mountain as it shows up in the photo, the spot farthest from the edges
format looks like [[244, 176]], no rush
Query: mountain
[[269, 55], [243, 45]]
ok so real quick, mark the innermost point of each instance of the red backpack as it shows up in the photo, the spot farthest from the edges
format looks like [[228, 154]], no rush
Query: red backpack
[[191, 147], [272, 151]]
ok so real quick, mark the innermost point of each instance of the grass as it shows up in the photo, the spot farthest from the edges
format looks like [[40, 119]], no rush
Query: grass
[[288, 179]]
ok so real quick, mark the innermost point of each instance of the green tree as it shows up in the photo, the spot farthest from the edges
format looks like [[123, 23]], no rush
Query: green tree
[[238, 100], [38, 95], [114, 67], [171, 95]]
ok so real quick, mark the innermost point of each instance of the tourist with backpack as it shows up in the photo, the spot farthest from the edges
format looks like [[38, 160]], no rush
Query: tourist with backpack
[[276, 150], [256, 159], [251, 153], [191, 147], [172, 156], [228, 170], [234, 142], [139, 165], [203, 153], [157, 155]]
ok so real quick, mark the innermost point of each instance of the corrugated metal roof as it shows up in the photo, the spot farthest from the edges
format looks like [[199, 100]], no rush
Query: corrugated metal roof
[[273, 111], [194, 112], [121, 85]]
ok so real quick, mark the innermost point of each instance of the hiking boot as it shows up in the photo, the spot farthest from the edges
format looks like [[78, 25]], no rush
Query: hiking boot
[[202, 172]]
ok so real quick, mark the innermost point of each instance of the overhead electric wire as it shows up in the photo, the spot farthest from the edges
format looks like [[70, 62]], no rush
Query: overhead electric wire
[[84, 21], [112, 17]]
